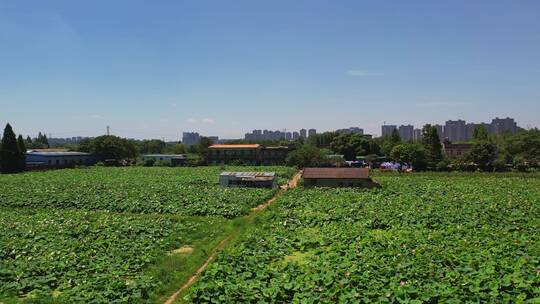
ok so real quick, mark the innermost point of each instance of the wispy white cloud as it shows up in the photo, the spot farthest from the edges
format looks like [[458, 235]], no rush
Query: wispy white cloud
[[96, 116], [442, 104], [364, 73], [174, 105], [205, 120]]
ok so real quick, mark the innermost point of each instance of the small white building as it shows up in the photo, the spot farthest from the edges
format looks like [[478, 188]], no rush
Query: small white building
[[248, 179], [171, 159]]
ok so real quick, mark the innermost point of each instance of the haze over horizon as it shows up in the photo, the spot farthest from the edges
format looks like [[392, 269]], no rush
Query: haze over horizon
[[156, 70]]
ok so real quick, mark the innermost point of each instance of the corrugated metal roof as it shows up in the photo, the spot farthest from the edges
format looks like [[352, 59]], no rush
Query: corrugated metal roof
[[248, 174], [253, 146], [49, 150], [361, 173], [58, 153]]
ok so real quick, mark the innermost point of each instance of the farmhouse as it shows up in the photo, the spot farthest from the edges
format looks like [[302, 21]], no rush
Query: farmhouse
[[338, 177], [273, 155], [42, 160], [248, 179], [171, 159], [254, 154], [456, 150], [225, 154]]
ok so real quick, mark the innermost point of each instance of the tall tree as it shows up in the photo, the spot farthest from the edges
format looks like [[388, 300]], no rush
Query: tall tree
[[351, 145], [432, 146], [390, 141], [394, 137], [45, 141], [178, 149], [152, 146], [21, 144], [204, 143], [412, 153], [484, 154], [22, 151], [480, 133], [109, 147], [305, 156], [525, 145], [10, 153]]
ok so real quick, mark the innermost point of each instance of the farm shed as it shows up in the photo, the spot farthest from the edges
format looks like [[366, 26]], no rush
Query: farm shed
[[42, 160], [248, 179], [171, 159], [338, 177]]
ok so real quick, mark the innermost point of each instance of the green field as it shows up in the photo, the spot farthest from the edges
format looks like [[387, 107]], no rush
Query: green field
[[422, 238], [112, 235], [182, 191], [108, 235], [90, 256]]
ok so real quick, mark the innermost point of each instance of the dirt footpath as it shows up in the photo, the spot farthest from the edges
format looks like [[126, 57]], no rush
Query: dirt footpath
[[291, 184]]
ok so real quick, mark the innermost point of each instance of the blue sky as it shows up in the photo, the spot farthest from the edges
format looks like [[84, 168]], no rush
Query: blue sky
[[153, 69]]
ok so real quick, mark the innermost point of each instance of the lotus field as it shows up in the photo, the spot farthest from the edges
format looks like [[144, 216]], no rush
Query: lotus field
[[181, 191], [422, 238], [135, 235], [113, 235]]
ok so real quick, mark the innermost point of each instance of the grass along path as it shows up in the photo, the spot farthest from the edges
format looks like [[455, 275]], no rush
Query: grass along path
[[234, 234]]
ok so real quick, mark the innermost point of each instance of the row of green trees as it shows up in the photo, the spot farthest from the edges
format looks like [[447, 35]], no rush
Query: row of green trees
[[40, 142], [114, 147], [488, 153], [519, 151], [423, 155], [12, 152]]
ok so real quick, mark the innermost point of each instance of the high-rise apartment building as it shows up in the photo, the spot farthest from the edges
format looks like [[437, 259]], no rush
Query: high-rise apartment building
[[440, 132], [303, 133], [455, 130], [190, 138], [406, 132], [417, 134], [387, 130], [470, 130], [288, 136], [256, 135], [502, 125]]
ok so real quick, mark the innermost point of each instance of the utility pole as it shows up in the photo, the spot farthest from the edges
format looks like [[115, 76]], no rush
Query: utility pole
[[108, 133]]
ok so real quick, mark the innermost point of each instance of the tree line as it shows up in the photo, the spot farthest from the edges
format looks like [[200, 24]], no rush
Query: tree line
[[502, 152], [519, 151]]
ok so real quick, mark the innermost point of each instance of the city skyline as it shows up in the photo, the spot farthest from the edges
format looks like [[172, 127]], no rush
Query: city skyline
[[155, 71], [454, 130]]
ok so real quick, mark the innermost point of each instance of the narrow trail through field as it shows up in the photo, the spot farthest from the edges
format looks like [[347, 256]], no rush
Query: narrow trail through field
[[292, 183]]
